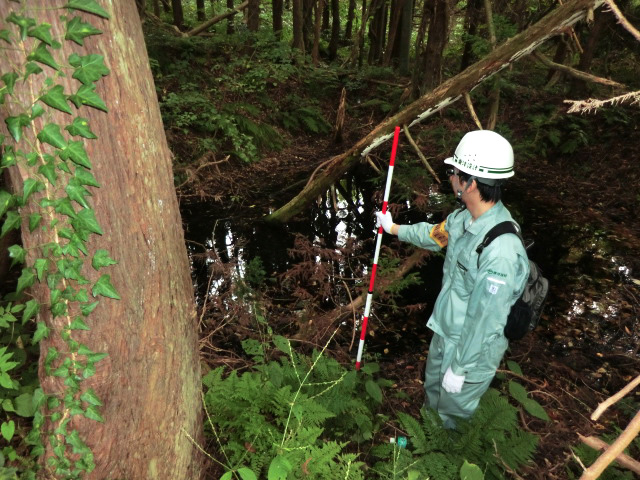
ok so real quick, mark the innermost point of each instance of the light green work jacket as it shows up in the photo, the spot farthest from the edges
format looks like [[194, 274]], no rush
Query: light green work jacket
[[476, 297]]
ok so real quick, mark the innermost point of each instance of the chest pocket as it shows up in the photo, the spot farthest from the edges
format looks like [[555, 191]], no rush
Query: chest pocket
[[464, 275]]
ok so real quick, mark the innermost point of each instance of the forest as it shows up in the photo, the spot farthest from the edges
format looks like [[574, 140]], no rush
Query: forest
[[188, 192]]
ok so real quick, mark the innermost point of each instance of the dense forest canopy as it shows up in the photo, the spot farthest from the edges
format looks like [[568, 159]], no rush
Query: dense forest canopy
[[277, 118]]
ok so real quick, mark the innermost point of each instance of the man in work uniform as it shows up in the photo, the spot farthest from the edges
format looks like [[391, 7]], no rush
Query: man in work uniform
[[478, 291]]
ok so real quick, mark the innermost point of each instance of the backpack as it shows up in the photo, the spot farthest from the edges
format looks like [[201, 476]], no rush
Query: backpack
[[525, 313]]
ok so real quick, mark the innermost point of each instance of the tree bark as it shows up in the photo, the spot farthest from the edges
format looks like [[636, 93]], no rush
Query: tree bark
[[178, 15], [335, 29], [351, 13], [149, 383], [315, 51], [298, 25], [436, 41], [394, 30], [472, 18], [404, 47], [445, 94], [253, 18], [230, 25], [141, 4], [277, 9], [579, 87], [156, 8], [200, 11]]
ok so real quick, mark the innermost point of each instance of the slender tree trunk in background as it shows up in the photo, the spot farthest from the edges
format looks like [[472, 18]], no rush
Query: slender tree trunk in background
[[559, 57], [351, 14], [308, 25], [277, 10], [394, 24], [494, 96], [437, 40], [253, 18], [166, 6], [579, 87], [334, 43], [377, 31], [406, 28], [156, 8], [416, 78], [326, 12], [357, 50], [178, 15], [200, 11], [141, 5], [230, 20], [298, 27], [315, 52], [149, 383], [471, 20]]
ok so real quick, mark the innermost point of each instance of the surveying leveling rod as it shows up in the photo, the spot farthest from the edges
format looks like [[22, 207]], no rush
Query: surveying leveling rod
[[367, 307]]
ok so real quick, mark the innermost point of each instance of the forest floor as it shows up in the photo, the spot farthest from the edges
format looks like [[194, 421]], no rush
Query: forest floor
[[582, 208]]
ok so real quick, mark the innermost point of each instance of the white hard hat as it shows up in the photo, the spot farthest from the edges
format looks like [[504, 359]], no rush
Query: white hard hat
[[483, 154]]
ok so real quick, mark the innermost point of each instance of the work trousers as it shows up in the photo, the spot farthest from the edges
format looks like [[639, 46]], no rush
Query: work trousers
[[449, 405]]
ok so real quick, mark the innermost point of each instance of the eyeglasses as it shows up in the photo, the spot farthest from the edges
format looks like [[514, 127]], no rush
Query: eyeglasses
[[452, 172]]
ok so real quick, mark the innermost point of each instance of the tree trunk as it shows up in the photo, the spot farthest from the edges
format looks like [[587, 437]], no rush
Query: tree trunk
[[253, 18], [436, 41], [471, 20], [335, 29], [178, 15], [156, 8], [166, 6], [218, 18], [404, 47], [416, 78], [579, 88], [315, 51], [277, 10], [230, 25], [351, 13], [394, 29], [149, 384], [377, 31], [141, 4], [445, 94], [298, 27], [200, 11]]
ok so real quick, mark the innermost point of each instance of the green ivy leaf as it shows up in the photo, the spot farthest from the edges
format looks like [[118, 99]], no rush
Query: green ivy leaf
[[104, 287], [26, 280], [91, 398], [9, 80], [41, 32], [92, 413], [76, 152], [101, 259], [30, 187], [6, 201], [89, 68], [17, 253], [90, 6], [41, 266], [16, 124], [8, 429], [31, 69], [51, 134], [34, 221], [77, 30], [5, 35], [77, 193], [56, 98], [42, 55], [80, 127], [87, 309], [79, 324], [86, 95], [85, 177], [12, 222], [32, 307], [23, 22], [37, 110], [86, 221], [8, 157], [49, 171], [81, 296]]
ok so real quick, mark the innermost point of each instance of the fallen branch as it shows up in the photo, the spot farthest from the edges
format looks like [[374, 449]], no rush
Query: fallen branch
[[472, 111], [586, 106], [201, 28], [420, 155], [587, 77], [614, 398], [623, 459], [622, 20]]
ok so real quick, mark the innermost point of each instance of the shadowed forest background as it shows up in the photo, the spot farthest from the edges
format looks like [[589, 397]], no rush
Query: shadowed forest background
[[271, 111]]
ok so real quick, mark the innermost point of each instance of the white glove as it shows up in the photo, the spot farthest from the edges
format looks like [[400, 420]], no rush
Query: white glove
[[385, 220], [451, 382]]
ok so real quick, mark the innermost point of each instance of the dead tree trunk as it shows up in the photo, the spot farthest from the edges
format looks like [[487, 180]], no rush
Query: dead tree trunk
[[445, 94]]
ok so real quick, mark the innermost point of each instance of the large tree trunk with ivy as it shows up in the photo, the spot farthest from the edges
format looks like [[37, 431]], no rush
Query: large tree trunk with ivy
[[445, 94], [135, 413]]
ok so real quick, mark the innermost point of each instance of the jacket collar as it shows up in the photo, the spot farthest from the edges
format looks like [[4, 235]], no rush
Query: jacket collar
[[484, 220]]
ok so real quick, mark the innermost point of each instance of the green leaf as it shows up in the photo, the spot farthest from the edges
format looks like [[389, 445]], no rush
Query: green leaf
[[42, 55], [89, 68], [32, 307], [56, 98], [42, 331], [77, 193], [227, 475], [26, 280], [41, 32], [5, 35], [374, 391], [90, 6], [80, 127], [102, 259], [73, 439], [246, 474], [6, 201], [12, 222], [41, 265], [17, 253], [6, 382], [31, 69], [51, 134], [24, 405], [92, 413], [279, 468], [49, 171], [470, 471], [8, 157], [77, 30], [85, 177], [86, 95], [34, 221], [87, 309], [91, 398], [104, 287], [79, 324], [30, 187], [514, 367], [23, 22], [370, 368], [76, 152], [86, 221], [37, 110], [63, 206], [16, 124], [535, 409], [518, 392], [8, 429], [9, 80]]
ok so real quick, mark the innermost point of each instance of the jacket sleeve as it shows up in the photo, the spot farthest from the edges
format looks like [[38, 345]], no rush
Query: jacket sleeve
[[425, 235], [497, 285]]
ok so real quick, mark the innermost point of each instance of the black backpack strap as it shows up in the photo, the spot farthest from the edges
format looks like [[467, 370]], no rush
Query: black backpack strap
[[500, 229]]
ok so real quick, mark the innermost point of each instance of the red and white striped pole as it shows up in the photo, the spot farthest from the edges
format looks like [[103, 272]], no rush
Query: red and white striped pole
[[367, 307]]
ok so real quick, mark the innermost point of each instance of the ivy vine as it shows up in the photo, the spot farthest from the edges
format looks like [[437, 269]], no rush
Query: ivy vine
[[54, 203]]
